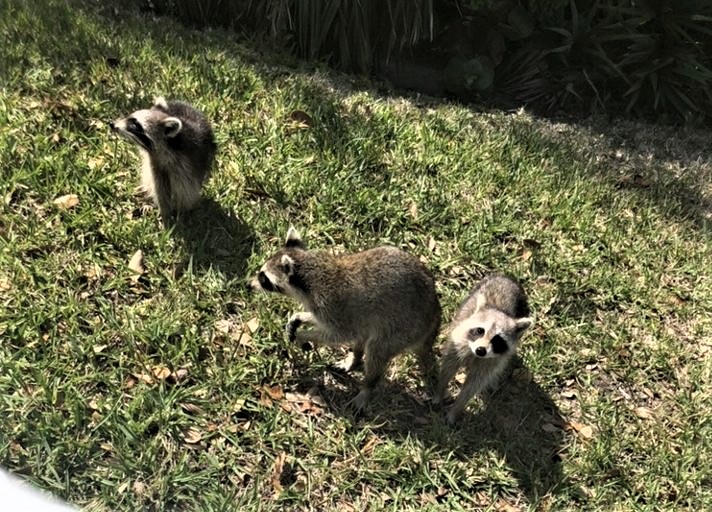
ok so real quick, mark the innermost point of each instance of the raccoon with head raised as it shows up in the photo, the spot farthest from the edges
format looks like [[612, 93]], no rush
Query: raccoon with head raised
[[178, 148], [482, 338], [381, 302]]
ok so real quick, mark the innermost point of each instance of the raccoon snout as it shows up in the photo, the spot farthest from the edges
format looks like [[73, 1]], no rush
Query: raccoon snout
[[112, 126], [481, 351]]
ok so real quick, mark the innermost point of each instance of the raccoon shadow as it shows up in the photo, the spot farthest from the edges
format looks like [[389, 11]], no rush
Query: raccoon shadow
[[518, 420], [214, 238]]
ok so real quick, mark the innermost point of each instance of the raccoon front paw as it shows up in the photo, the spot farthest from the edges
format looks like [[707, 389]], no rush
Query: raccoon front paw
[[292, 327], [350, 363]]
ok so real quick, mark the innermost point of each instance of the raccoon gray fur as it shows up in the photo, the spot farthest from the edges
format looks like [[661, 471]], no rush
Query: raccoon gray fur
[[482, 338], [381, 302], [177, 146]]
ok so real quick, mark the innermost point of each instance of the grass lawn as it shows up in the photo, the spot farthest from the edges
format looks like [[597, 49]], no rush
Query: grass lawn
[[175, 389]]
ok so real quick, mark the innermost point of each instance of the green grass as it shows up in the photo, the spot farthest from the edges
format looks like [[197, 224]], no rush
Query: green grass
[[607, 226]]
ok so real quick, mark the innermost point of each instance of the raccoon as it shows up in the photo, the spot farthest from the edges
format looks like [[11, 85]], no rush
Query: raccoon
[[178, 149], [381, 302], [483, 337]]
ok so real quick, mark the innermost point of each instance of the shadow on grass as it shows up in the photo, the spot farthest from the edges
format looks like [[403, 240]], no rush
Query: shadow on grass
[[519, 421], [214, 237]]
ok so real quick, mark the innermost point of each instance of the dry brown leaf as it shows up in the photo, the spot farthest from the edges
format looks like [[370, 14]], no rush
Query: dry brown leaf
[[146, 379], [106, 446], [179, 374], [277, 470], [301, 118], [526, 255], [585, 431], [136, 264], [244, 339], [643, 413], [568, 394], [274, 392], [160, 372], [130, 382], [253, 324], [503, 506], [99, 348], [66, 201], [122, 488], [238, 405], [192, 408], [369, 445], [5, 284], [139, 487], [223, 326], [95, 163], [432, 244], [413, 210], [192, 436]]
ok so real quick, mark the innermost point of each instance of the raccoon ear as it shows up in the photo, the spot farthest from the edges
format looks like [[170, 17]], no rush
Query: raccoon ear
[[160, 101], [480, 302], [523, 324], [288, 264], [294, 239], [172, 126]]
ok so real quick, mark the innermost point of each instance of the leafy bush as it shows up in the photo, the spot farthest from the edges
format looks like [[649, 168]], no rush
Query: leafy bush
[[646, 57], [351, 35], [642, 56]]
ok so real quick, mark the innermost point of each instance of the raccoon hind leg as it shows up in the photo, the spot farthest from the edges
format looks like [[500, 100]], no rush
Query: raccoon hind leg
[[375, 364], [426, 357]]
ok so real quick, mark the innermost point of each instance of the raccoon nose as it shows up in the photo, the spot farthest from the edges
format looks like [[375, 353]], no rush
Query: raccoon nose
[[481, 351], [111, 125]]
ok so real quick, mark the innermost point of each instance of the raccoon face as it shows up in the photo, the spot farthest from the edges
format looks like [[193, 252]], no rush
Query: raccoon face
[[149, 127], [490, 333], [279, 273]]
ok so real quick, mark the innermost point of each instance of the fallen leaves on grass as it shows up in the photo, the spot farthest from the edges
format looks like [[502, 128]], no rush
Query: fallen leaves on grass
[[136, 265], [66, 201], [277, 471], [584, 431], [305, 403], [192, 436], [503, 506], [270, 394], [242, 334], [301, 119], [369, 445], [644, 413], [252, 324], [160, 372]]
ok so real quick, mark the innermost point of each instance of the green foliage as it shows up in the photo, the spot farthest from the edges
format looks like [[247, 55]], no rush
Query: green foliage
[[350, 35], [644, 57]]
